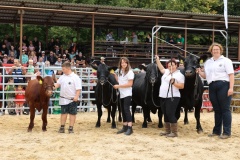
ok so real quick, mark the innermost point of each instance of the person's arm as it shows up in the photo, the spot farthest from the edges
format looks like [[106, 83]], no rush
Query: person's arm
[[77, 95], [24, 71], [126, 85], [231, 84], [56, 85], [177, 85], [159, 64]]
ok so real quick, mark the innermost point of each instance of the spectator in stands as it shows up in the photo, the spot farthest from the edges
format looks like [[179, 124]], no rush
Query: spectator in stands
[[51, 45], [18, 70], [33, 57], [39, 49], [40, 62], [12, 52], [4, 50], [57, 51], [80, 60], [10, 60], [134, 38], [170, 39], [43, 56], [109, 36], [5, 58], [64, 59], [25, 41], [180, 40], [72, 55], [49, 72], [24, 47], [67, 54], [148, 38], [24, 57], [31, 46], [52, 58], [58, 62], [35, 43]]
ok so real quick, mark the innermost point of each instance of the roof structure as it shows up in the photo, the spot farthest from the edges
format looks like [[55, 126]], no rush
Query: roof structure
[[80, 15]]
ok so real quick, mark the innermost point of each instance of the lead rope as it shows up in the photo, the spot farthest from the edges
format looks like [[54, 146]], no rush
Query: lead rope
[[196, 94]]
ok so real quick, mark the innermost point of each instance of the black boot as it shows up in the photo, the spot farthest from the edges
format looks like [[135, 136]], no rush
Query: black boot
[[70, 130], [129, 131], [124, 129]]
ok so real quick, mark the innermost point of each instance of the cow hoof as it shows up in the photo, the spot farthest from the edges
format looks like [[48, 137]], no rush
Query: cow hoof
[[199, 131], [149, 120], [97, 125], [108, 121], [144, 125], [29, 130], [119, 119], [44, 130], [160, 126], [113, 126]]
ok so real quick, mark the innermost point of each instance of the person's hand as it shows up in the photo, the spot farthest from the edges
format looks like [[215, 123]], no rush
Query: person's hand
[[172, 81], [22, 67], [75, 98], [116, 86], [230, 91], [13, 67], [157, 58]]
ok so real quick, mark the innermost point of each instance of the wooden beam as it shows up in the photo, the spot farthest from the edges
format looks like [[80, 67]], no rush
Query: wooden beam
[[93, 29], [239, 42]]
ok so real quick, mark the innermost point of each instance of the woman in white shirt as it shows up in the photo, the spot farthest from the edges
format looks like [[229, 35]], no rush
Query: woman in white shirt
[[219, 73], [125, 80], [172, 80]]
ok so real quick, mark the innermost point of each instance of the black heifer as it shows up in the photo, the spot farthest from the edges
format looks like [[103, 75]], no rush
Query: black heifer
[[105, 94], [191, 95], [145, 93]]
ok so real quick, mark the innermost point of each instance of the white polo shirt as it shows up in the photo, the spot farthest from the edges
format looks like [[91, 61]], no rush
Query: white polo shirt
[[179, 78], [218, 69], [123, 79], [69, 84]]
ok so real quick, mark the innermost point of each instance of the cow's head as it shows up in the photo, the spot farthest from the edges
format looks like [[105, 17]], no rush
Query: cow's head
[[191, 63], [152, 73], [103, 72], [47, 84]]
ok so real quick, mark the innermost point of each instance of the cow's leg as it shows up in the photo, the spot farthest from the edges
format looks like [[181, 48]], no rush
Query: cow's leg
[[197, 116], [32, 116], [134, 106], [44, 118], [149, 119], [114, 108], [99, 110], [186, 115], [109, 112], [145, 116], [160, 115]]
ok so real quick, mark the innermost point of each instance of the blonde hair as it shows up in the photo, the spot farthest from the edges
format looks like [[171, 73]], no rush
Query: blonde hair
[[215, 44], [125, 59]]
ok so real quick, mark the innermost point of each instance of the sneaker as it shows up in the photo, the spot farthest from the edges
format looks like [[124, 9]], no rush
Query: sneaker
[[224, 136], [213, 135], [61, 130]]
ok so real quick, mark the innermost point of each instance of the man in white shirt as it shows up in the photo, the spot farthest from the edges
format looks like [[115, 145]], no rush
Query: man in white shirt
[[71, 86]]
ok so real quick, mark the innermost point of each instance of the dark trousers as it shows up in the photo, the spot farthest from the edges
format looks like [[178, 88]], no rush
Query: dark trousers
[[125, 105], [169, 107], [218, 91]]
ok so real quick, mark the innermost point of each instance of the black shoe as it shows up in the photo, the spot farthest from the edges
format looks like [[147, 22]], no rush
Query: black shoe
[[70, 131], [129, 131], [124, 129]]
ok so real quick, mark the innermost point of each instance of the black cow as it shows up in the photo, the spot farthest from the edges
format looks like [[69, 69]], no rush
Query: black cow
[[145, 93], [105, 94], [191, 95]]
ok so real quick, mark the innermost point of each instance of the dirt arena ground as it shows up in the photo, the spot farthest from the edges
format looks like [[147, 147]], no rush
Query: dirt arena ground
[[103, 143]]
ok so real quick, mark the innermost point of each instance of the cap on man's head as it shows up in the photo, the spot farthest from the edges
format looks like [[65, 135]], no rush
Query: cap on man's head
[[43, 51], [64, 55], [5, 55], [102, 58]]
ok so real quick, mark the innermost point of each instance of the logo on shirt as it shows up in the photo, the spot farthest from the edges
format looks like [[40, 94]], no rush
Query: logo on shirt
[[69, 83], [220, 65]]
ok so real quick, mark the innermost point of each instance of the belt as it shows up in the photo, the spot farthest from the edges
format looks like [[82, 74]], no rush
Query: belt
[[219, 81]]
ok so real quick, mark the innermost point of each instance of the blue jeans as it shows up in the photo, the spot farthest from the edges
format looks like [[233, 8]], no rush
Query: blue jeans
[[218, 91]]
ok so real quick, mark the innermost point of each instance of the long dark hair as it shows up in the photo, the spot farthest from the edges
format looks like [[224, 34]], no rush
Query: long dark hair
[[125, 59]]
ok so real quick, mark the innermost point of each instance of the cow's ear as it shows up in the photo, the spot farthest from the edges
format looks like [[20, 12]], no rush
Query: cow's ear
[[40, 79], [93, 66], [180, 57], [112, 68], [203, 58], [142, 66]]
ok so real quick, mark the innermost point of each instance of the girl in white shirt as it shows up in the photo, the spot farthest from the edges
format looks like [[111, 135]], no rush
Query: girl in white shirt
[[172, 80], [125, 80]]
